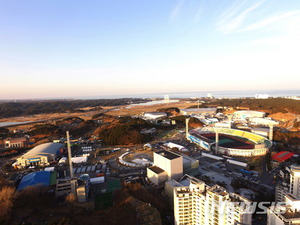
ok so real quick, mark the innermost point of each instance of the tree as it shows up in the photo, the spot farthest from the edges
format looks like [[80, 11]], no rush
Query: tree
[[7, 195], [71, 199]]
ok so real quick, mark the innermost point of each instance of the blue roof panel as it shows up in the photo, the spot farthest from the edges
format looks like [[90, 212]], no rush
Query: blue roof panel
[[35, 178]]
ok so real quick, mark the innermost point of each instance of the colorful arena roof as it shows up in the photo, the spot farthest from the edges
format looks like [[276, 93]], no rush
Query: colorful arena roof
[[282, 156]]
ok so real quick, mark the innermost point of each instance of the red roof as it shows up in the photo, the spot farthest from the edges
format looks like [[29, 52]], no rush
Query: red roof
[[282, 156]]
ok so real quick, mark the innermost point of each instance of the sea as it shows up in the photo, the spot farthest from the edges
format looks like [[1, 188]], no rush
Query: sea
[[201, 94]]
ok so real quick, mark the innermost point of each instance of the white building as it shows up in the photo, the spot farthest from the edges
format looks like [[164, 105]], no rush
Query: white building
[[285, 213], [295, 181], [261, 96], [248, 114], [41, 155], [154, 115], [263, 121], [199, 204], [261, 131], [166, 166], [281, 189], [198, 111]]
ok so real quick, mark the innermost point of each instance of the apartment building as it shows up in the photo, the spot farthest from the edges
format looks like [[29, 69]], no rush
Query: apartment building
[[295, 181], [281, 189], [200, 204], [285, 213]]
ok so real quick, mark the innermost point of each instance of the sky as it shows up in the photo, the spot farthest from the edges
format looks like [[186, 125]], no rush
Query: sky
[[61, 49]]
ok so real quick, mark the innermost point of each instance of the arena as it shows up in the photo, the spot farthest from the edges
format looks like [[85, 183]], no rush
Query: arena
[[231, 142]]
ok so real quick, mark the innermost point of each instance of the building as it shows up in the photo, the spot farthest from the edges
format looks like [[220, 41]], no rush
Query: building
[[167, 165], [42, 178], [261, 96], [263, 121], [148, 131], [282, 188], [190, 165], [295, 181], [198, 111], [41, 155], [19, 142], [261, 131], [285, 213], [65, 186], [282, 156], [157, 175], [248, 114], [154, 115], [200, 204]]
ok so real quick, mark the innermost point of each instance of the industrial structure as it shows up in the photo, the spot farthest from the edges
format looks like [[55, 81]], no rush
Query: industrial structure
[[41, 155], [196, 203]]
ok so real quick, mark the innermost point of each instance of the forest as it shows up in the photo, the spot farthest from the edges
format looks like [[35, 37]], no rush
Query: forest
[[271, 105], [27, 108], [126, 132]]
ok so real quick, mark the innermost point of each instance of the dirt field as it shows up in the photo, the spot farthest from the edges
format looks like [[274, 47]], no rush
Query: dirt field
[[88, 115], [139, 109]]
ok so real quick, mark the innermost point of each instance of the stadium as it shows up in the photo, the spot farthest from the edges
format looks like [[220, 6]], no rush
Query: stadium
[[231, 142]]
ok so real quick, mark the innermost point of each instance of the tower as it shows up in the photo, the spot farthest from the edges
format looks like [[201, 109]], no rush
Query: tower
[[271, 132], [69, 155], [229, 118], [217, 140], [187, 127]]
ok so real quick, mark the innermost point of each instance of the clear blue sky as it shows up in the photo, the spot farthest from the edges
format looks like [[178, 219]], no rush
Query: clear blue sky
[[55, 48]]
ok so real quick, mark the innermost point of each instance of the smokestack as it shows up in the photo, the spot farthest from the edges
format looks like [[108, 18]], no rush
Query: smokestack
[[69, 155]]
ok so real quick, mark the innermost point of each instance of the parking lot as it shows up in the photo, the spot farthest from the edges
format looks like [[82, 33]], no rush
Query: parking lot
[[225, 172]]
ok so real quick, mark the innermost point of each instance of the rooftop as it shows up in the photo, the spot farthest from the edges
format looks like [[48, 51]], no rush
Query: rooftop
[[199, 109], [46, 148], [219, 190], [168, 154], [156, 169], [250, 112], [156, 113]]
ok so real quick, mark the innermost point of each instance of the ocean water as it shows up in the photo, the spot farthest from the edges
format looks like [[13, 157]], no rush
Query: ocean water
[[216, 94]]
